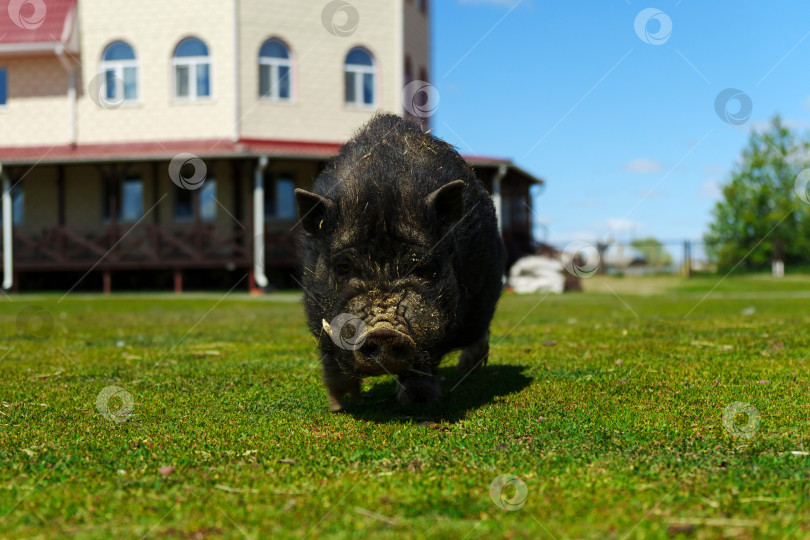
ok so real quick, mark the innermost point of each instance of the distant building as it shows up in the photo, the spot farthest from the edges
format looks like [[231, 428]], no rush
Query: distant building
[[99, 98]]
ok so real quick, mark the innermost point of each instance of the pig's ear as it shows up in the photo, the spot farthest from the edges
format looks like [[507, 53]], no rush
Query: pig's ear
[[312, 209], [447, 202]]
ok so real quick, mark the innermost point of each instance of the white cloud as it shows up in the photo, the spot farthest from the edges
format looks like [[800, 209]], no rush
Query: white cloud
[[596, 231], [620, 225], [642, 166], [563, 237], [710, 189]]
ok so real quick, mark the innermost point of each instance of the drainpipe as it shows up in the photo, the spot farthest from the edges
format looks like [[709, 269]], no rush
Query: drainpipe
[[8, 263], [496, 195], [258, 222], [71, 72]]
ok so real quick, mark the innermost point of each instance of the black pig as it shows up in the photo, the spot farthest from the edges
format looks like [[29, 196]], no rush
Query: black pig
[[402, 261]]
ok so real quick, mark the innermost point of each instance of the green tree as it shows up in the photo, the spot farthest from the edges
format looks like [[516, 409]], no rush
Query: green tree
[[761, 218], [653, 250]]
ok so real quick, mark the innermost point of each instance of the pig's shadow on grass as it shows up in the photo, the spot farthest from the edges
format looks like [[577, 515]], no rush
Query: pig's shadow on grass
[[379, 404]]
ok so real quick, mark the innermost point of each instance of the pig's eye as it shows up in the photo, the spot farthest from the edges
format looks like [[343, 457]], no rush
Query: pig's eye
[[343, 268]]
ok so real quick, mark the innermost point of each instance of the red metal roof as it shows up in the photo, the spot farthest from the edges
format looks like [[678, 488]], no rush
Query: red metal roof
[[205, 148], [152, 150], [36, 21]]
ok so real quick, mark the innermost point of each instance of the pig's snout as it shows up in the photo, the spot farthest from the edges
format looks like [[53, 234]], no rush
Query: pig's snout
[[386, 349]]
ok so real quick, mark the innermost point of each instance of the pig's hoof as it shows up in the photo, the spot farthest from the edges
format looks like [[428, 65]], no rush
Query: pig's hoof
[[418, 390], [336, 404], [339, 385], [475, 355]]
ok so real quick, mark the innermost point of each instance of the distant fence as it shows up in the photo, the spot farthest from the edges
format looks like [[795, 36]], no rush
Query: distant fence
[[683, 257]]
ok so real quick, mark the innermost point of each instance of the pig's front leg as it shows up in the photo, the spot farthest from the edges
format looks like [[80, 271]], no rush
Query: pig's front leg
[[418, 385], [474, 355], [339, 384]]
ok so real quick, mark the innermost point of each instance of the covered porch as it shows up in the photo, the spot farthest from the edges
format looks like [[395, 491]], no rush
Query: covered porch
[[108, 210]]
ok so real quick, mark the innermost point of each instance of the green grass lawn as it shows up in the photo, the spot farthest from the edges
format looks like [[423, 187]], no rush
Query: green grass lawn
[[606, 405]]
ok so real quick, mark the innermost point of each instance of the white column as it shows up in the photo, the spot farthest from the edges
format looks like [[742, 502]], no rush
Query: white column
[[496, 195], [8, 263], [258, 223]]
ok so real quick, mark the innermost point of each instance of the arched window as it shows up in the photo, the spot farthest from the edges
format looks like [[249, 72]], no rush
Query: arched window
[[275, 71], [192, 70], [359, 71], [120, 73]]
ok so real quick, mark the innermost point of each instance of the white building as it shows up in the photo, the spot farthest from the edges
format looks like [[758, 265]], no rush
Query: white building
[[98, 97]]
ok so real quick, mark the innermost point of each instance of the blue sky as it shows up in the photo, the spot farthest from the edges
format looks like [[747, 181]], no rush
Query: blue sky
[[624, 132]]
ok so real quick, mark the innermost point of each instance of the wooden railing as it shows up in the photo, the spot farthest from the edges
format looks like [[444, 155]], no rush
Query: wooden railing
[[147, 247]]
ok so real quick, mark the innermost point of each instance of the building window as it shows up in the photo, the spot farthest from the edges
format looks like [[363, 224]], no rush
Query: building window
[[129, 199], [17, 205], [359, 77], [275, 71], [132, 199], [3, 87], [119, 70], [208, 200], [279, 200], [423, 6], [184, 201], [183, 205], [192, 70]]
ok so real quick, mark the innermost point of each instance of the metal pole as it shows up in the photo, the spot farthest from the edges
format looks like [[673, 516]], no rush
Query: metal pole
[[687, 258]]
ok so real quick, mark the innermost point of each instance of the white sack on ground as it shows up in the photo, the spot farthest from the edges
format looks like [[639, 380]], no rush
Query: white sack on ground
[[536, 273]]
